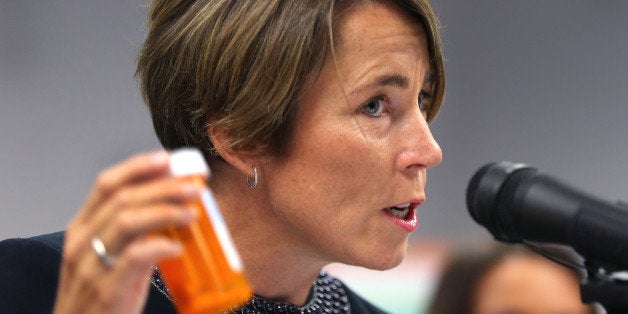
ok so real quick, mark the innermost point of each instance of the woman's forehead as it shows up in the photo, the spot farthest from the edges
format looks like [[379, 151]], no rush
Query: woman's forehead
[[378, 32]]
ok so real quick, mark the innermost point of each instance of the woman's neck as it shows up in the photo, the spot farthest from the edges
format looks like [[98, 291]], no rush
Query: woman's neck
[[280, 278], [276, 265]]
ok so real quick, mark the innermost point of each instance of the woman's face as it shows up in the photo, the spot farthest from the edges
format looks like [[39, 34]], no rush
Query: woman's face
[[361, 145]]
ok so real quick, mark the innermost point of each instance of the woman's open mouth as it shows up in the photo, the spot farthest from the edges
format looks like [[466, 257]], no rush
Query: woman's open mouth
[[399, 211], [403, 215]]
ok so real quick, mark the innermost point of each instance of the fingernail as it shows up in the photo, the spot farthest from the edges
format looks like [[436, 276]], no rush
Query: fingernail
[[160, 157], [189, 214], [190, 190], [177, 247]]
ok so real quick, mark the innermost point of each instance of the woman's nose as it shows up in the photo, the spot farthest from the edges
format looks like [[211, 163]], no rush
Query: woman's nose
[[420, 149]]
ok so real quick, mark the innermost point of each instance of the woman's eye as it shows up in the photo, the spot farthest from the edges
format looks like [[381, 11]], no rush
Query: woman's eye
[[374, 107], [424, 101]]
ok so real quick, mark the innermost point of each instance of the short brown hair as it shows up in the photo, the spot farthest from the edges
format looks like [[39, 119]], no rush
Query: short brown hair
[[240, 66]]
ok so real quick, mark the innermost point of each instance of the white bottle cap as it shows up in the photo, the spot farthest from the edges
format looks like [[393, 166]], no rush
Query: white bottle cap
[[187, 161]]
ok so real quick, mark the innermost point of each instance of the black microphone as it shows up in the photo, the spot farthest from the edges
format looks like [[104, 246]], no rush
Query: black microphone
[[516, 203]]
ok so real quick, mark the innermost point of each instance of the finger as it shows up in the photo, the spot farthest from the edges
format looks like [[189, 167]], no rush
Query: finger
[[80, 285], [140, 167], [166, 191], [130, 224], [135, 267], [122, 288], [144, 253]]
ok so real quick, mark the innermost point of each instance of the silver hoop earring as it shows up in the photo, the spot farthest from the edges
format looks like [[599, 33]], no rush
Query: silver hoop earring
[[253, 184]]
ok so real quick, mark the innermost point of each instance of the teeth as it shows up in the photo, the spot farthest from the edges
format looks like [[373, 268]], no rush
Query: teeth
[[403, 206], [399, 212]]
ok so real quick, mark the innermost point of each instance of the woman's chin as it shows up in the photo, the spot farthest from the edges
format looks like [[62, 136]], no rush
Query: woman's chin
[[380, 259], [385, 264]]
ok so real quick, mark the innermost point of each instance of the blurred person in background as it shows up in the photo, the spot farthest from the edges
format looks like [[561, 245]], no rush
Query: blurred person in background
[[504, 279]]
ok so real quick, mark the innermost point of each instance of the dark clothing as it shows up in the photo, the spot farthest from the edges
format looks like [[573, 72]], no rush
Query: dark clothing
[[29, 274]]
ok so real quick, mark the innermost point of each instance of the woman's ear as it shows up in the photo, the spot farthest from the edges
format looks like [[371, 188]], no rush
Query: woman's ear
[[242, 160]]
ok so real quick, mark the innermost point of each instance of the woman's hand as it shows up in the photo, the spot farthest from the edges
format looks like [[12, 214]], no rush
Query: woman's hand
[[126, 208]]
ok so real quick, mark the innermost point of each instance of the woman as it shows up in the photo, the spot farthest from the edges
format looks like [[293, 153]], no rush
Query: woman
[[508, 279], [313, 118]]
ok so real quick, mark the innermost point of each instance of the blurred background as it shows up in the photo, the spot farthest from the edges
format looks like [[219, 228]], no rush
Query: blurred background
[[539, 82]]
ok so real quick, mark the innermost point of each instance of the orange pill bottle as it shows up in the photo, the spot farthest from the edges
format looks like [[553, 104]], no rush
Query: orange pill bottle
[[207, 277]]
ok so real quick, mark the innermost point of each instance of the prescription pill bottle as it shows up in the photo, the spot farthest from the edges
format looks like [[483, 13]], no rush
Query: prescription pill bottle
[[207, 277]]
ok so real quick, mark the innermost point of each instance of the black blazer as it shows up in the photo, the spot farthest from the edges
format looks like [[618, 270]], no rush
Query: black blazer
[[29, 274]]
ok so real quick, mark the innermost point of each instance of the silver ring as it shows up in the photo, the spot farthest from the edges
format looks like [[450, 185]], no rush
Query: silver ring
[[101, 252]]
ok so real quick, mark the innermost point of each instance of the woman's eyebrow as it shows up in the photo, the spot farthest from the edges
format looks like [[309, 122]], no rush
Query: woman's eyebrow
[[395, 80]]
